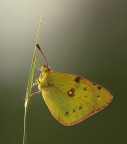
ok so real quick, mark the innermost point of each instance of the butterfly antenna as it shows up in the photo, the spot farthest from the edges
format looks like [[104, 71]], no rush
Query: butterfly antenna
[[37, 45]]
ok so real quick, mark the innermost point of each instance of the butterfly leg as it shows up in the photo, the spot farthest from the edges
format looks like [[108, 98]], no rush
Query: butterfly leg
[[33, 94], [35, 83], [38, 66]]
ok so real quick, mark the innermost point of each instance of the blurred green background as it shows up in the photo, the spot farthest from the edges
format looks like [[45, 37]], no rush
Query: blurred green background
[[85, 37]]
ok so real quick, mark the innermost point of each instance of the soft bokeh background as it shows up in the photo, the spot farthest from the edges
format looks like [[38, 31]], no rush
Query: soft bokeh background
[[85, 37]]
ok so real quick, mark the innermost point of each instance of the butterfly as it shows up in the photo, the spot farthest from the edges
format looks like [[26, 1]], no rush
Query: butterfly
[[70, 98]]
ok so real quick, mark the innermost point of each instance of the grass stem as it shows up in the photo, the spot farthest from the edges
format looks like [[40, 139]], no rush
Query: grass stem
[[29, 86]]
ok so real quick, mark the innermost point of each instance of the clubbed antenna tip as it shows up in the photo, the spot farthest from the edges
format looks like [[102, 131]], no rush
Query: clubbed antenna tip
[[37, 45]]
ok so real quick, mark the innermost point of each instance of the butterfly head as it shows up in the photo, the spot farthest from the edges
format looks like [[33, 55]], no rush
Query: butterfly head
[[45, 69]]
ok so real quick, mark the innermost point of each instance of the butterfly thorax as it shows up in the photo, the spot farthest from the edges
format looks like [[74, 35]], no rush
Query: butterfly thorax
[[43, 81]]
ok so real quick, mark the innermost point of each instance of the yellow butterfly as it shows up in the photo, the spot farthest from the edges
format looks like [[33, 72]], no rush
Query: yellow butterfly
[[71, 98]]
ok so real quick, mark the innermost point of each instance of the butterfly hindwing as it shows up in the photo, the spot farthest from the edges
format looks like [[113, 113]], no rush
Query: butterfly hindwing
[[104, 96], [69, 98]]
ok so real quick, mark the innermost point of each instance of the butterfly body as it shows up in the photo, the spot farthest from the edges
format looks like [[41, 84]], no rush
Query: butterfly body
[[71, 98]]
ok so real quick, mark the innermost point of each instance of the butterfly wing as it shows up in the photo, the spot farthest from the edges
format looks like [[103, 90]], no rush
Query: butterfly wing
[[69, 98], [104, 97]]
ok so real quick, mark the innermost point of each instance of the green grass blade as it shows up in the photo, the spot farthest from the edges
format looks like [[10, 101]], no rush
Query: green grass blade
[[29, 86]]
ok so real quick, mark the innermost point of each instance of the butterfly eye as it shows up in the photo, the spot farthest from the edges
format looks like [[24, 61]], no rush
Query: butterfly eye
[[45, 69]]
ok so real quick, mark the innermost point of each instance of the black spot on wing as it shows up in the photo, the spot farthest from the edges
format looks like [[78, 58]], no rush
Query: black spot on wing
[[85, 88], [66, 113], [80, 107], [99, 87], [77, 79], [71, 92], [73, 110]]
